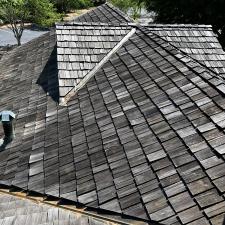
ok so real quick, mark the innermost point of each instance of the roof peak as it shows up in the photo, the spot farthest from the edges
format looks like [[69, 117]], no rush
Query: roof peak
[[105, 13], [77, 23], [118, 11]]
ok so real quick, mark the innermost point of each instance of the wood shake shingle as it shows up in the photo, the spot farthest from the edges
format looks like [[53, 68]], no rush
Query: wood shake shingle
[[143, 137]]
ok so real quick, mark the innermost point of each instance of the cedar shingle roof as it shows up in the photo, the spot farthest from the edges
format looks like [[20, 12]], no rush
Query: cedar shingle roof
[[197, 41], [81, 47], [144, 137], [17, 210], [105, 13]]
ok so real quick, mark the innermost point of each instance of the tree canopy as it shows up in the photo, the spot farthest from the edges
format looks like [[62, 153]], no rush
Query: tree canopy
[[132, 6], [17, 12], [67, 5], [191, 11], [42, 12]]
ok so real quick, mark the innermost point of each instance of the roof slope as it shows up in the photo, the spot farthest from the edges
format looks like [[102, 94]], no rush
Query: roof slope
[[105, 13], [144, 133], [143, 138], [80, 47], [198, 41], [41, 157]]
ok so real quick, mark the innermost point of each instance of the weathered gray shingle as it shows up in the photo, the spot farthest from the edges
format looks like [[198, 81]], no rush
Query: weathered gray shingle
[[144, 137], [198, 41], [81, 47], [17, 210]]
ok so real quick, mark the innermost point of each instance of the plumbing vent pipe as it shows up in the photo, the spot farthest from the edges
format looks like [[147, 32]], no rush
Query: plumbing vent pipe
[[7, 122]]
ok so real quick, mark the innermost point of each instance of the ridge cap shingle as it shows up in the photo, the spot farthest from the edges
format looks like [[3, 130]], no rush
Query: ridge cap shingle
[[77, 23], [159, 25]]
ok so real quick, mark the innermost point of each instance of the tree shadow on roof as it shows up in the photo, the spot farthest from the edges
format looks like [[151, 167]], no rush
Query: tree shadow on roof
[[48, 79]]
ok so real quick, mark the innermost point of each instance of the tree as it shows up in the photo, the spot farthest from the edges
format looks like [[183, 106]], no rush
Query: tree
[[15, 12], [136, 7], [42, 12], [191, 11], [133, 7], [124, 5], [98, 2], [67, 5]]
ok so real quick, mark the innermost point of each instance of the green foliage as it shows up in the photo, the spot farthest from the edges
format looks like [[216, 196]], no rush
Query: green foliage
[[15, 12], [191, 11], [80, 4], [42, 12], [13, 9], [98, 2], [67, 5], [124, 5], [132, 6]]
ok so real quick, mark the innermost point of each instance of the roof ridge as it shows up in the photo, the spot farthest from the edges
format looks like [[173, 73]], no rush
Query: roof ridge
[[71, 23], [120, 12], [89, 75], [178, 25]]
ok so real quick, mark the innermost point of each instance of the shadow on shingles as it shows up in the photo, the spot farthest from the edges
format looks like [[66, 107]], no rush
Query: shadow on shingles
[[48, 79]]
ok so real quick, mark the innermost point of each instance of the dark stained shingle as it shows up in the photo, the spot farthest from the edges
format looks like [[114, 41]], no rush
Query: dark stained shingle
[[143, 137], [198, 41]]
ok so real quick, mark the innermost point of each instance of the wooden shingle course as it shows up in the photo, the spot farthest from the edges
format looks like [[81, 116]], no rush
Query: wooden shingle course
[[143, 137]]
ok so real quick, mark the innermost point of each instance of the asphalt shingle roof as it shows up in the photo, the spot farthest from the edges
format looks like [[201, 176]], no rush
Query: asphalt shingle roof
[[144, 137]]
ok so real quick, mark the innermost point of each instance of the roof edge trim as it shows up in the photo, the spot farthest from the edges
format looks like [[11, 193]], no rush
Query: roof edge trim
[[40, 199], [167, 25], [63, 101]]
